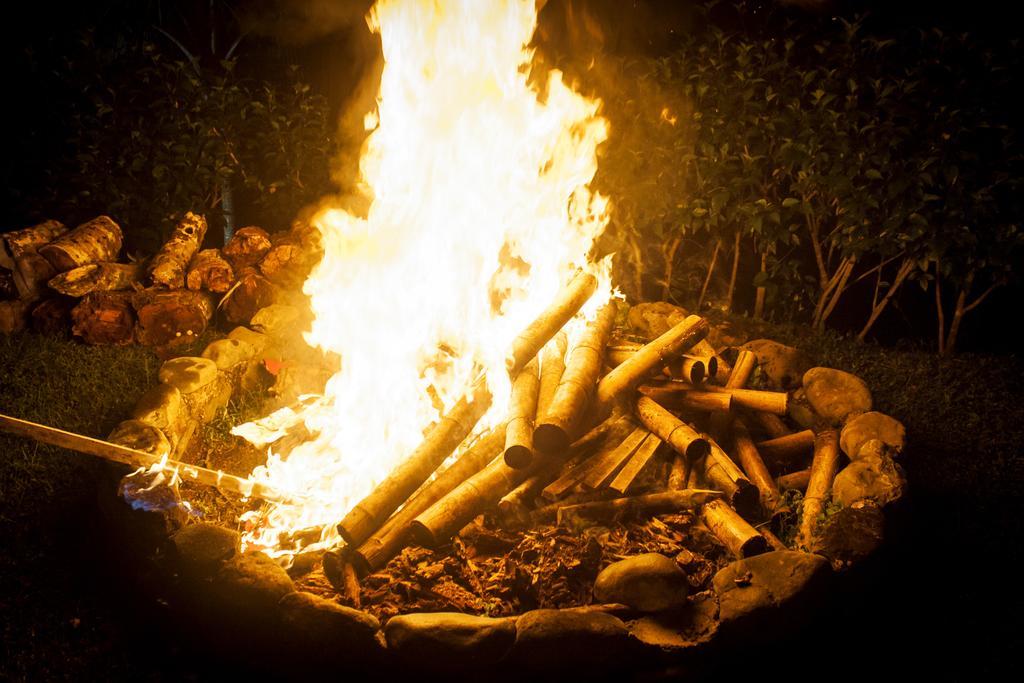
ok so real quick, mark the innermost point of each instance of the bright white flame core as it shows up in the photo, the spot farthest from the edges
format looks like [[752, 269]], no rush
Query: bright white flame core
[[480, 212]]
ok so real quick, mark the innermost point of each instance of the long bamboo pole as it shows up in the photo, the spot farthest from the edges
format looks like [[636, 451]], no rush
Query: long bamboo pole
[[553, 319], [819, 487]]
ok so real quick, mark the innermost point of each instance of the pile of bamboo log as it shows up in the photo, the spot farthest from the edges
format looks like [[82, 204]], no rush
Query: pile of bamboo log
[[53, 279], [597, 431]]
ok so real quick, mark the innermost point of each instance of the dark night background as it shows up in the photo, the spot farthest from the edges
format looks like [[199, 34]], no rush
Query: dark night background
[[941, 600]]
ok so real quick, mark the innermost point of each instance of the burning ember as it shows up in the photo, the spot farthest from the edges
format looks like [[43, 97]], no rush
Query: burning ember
[[475, 177]]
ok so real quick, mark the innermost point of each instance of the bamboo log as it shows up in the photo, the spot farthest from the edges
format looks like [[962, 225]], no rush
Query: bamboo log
[[673, 397], [249, 294], [661, 503], [370, 513], [734, 532], [519, 430], [569, 301], [723, 474], [170, 317], [679, 474], [636, 464], [552, 365], [604, 467], [721, 421], [758, 474], [96, 277], [386, 543], [769, 423], [704, 349], [680, 436], [17, 243], [572, 476], [794, 481], [695, 477], [104, 318], [774, 541], [787, 449], [169, 265], [775, 402], [247, 247], [626, 377], [210, 271], [689, 368], [561, 422], [97, 240], [140, 459], [547, 470], [819, 486]]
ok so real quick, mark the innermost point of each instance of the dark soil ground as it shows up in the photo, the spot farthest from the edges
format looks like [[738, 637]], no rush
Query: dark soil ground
[[941, 599]]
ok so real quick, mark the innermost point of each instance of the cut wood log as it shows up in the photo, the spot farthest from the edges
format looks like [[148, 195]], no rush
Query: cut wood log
[[210, 271], [104, 318], [17, 243], [386, 543], [97, 240], [169, 317], [247, 247], [680, 436], [53, 316], [169, 265], [756, 471], [519, 429], [96, 277], [794, 481], [569, 301], [31, 273], [734, 532], [661, 503], [372, 512], [564, 417], [788, 449], [13, 316], [819, 485], [603, 468], [552, 365], [636, 464], [249, 294], [624, 379]]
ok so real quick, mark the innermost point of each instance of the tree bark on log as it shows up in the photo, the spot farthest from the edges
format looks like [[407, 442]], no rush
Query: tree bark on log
[[819, 485], [104, 318], [174, 316], [28, 241], [247, 247], [97, 240], [569, 301], [249, 294], [519, 429], [210, 271], [626, 377], [370, 513], [734, 532], [168, 267], [96, 277], [53, 316], [561, 423]]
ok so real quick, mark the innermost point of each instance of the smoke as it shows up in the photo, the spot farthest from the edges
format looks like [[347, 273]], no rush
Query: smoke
[[300, 22]]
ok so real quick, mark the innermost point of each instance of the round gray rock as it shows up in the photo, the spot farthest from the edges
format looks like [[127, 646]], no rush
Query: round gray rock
[[836, 395], [873, 477], [650, 582], [767, 586], [851, 534], [201, 548], [253, 583], [552, 640], [316, 624], [142, 437], [160, 406], [188, 373], [869, 426], [228, 353], [784, 366], [450, 640]]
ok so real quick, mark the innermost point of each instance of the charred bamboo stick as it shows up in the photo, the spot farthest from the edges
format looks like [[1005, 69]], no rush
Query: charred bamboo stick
[[680, 436], [769, 423], [553, 319], [754, 467], [209, 270], [620, 429], [704, 349], [562, 420], [819, 487], [552, 366], [519, 429], [384, 545], [794, 481], [135, 458], [695, 477], [626, 377], [734, 532], [608, 464], [787, 449], [680, 472], [723, 474], [663, 502], [636, 464], [370, 513], [17, 243]]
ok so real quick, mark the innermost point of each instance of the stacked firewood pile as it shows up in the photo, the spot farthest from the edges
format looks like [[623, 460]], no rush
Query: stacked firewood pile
[[54, 279]]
